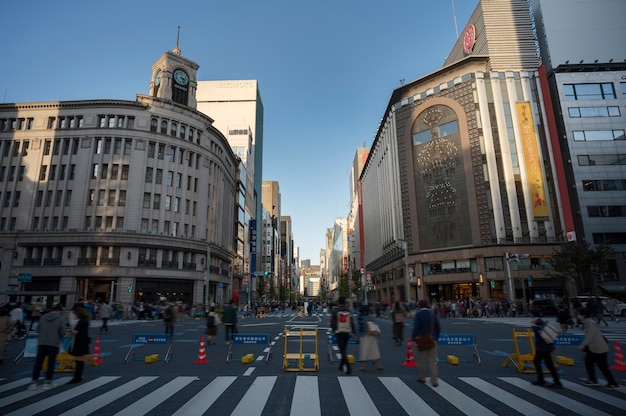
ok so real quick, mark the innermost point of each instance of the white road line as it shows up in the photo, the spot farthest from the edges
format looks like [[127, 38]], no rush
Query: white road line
[[306, 397], [558, 399], [47, 403], [462, 402], [108, 397], [249, 371], [407, 398], [26, 394], [595, 394], [357, 399], [201, 402], [14, 384], [158, 396], [253, 402]]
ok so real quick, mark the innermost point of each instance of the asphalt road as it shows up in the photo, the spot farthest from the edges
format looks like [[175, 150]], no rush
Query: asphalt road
[[479, 384]]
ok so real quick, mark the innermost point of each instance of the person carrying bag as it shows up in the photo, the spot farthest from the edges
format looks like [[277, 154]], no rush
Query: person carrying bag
[[426, 330]]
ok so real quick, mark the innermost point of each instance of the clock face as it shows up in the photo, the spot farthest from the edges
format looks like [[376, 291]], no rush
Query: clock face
[[469, 37], [157, 79], [181, 77]]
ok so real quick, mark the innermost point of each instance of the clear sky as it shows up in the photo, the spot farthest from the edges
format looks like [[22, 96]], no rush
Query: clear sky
[[326, 71]]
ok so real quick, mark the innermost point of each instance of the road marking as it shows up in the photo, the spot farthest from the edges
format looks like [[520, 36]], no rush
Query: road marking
[[462, 402], [253, 402], [511, 400], [14, 384], [595, 394], [306, 397], [41, 405], [407, 398], [357, 399], [551, 395], [249, 371], [158, 396], [109, 397], [201, 402]]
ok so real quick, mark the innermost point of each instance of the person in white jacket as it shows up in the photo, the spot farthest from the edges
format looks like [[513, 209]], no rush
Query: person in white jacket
[[596, 349]]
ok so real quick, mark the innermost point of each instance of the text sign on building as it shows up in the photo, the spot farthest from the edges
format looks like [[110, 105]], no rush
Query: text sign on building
[[456, 339], [25, 277], [150, 338]]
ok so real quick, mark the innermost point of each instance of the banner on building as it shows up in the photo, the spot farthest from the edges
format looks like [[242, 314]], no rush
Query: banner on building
[[532, 161]]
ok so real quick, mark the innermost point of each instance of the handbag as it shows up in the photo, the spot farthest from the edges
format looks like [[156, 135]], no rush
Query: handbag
[[373, 329], [426, 341]]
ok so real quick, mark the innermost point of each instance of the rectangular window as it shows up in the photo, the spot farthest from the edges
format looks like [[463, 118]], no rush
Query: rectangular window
[[128, 145], [131, 123], [159, 176], [39, 198], [107, 145], [94, 171], [144, 225], [62, 172], [101, 196], [46, 147], [72, 172], [168, 202], [176, 204], [598, 135], [179, 180], [592, 91], [42, 172], [92, 197], [111, 120], [20, 176], [16, 201], [112, 193], [120, 122], [122, 201], [98, 147], [170, 178], [172, 154], [49, 199], [155, 227], [117, 149], [161, 152], [151, 149], [68, 197], [105, 170], [59, 199], [75, 144], [53, 172], [181, 153], [115, 171], [157, 201], [125, 170], [7, 199], [146, 200], [119, 223], [149, 172]]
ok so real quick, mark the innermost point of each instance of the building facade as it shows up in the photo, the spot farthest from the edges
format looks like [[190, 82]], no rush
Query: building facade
[[461, 177], [118, 200]]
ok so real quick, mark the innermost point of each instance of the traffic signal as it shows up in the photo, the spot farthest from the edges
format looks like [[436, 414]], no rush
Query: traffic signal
[[130, 288], [493, 284]]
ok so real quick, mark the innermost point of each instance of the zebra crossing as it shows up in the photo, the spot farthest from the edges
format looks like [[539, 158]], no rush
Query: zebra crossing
[[311, 395]]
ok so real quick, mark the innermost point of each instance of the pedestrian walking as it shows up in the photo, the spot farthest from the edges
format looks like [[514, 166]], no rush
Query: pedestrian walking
[[230, 322], [17, 316], [52, 328], [426, 327], [105, 314], [35, 315], [212, 321], [611, 305], [80, 343], [543, 352], [169, 315], [596, 349], [398, 323], [369, 332], [342, 324], [564, 318], [6, 326]]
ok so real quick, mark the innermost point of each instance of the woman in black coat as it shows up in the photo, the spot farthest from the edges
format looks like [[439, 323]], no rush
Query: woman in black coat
[[80, 343]]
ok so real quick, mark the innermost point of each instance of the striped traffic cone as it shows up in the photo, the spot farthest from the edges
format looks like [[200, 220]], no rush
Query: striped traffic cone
[[619, 358], [96, 352], [410, 361], [201, 354]]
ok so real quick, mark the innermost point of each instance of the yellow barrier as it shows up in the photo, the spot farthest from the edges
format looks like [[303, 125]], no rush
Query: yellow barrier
[[523, 362]]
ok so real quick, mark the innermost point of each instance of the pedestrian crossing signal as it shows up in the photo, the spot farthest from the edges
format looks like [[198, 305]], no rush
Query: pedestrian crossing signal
[[493, 284], [130, 288]]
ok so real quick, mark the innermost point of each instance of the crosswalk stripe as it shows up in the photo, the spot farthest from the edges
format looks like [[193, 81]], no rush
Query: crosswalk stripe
[[566, 402], [408, 399], [108, 397], [306, 392], [255, 398], [462, 402], [26, 394], [357, 399], [595, 394], [152, 400], [511, 400], [201, 402], [14, 384], [45, 404]]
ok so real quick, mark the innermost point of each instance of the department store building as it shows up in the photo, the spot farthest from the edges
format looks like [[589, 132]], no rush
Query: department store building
[[124, 200]]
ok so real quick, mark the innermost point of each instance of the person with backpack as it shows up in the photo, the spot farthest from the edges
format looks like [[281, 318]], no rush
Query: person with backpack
[[342, 325], [543, 352], [212, 321]]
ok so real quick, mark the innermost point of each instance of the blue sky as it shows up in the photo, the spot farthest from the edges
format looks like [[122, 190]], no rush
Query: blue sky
[[326, 70]]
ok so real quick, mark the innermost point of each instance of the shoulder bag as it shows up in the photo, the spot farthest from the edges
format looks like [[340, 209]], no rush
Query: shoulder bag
[[426, 341]]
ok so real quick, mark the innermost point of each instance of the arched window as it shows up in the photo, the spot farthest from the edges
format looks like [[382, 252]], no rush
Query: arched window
[[164, 127], [173, 129], [153, 125], [182, 132]]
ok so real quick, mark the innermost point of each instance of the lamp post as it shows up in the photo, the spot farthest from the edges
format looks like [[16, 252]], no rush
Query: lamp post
[[407, 283]]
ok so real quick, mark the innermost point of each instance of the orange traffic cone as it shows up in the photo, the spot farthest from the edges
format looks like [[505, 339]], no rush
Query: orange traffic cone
[[201, 354], [619, 358], [96, 352], [410, 361]]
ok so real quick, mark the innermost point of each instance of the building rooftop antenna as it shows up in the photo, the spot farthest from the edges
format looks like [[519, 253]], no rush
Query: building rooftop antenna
[[177, 49], [456, 28]]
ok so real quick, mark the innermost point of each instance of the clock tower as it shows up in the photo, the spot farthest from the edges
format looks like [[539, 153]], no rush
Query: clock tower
[[174, 78]]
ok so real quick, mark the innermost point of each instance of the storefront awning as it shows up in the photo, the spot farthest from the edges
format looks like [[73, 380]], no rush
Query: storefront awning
[[614, 288]]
